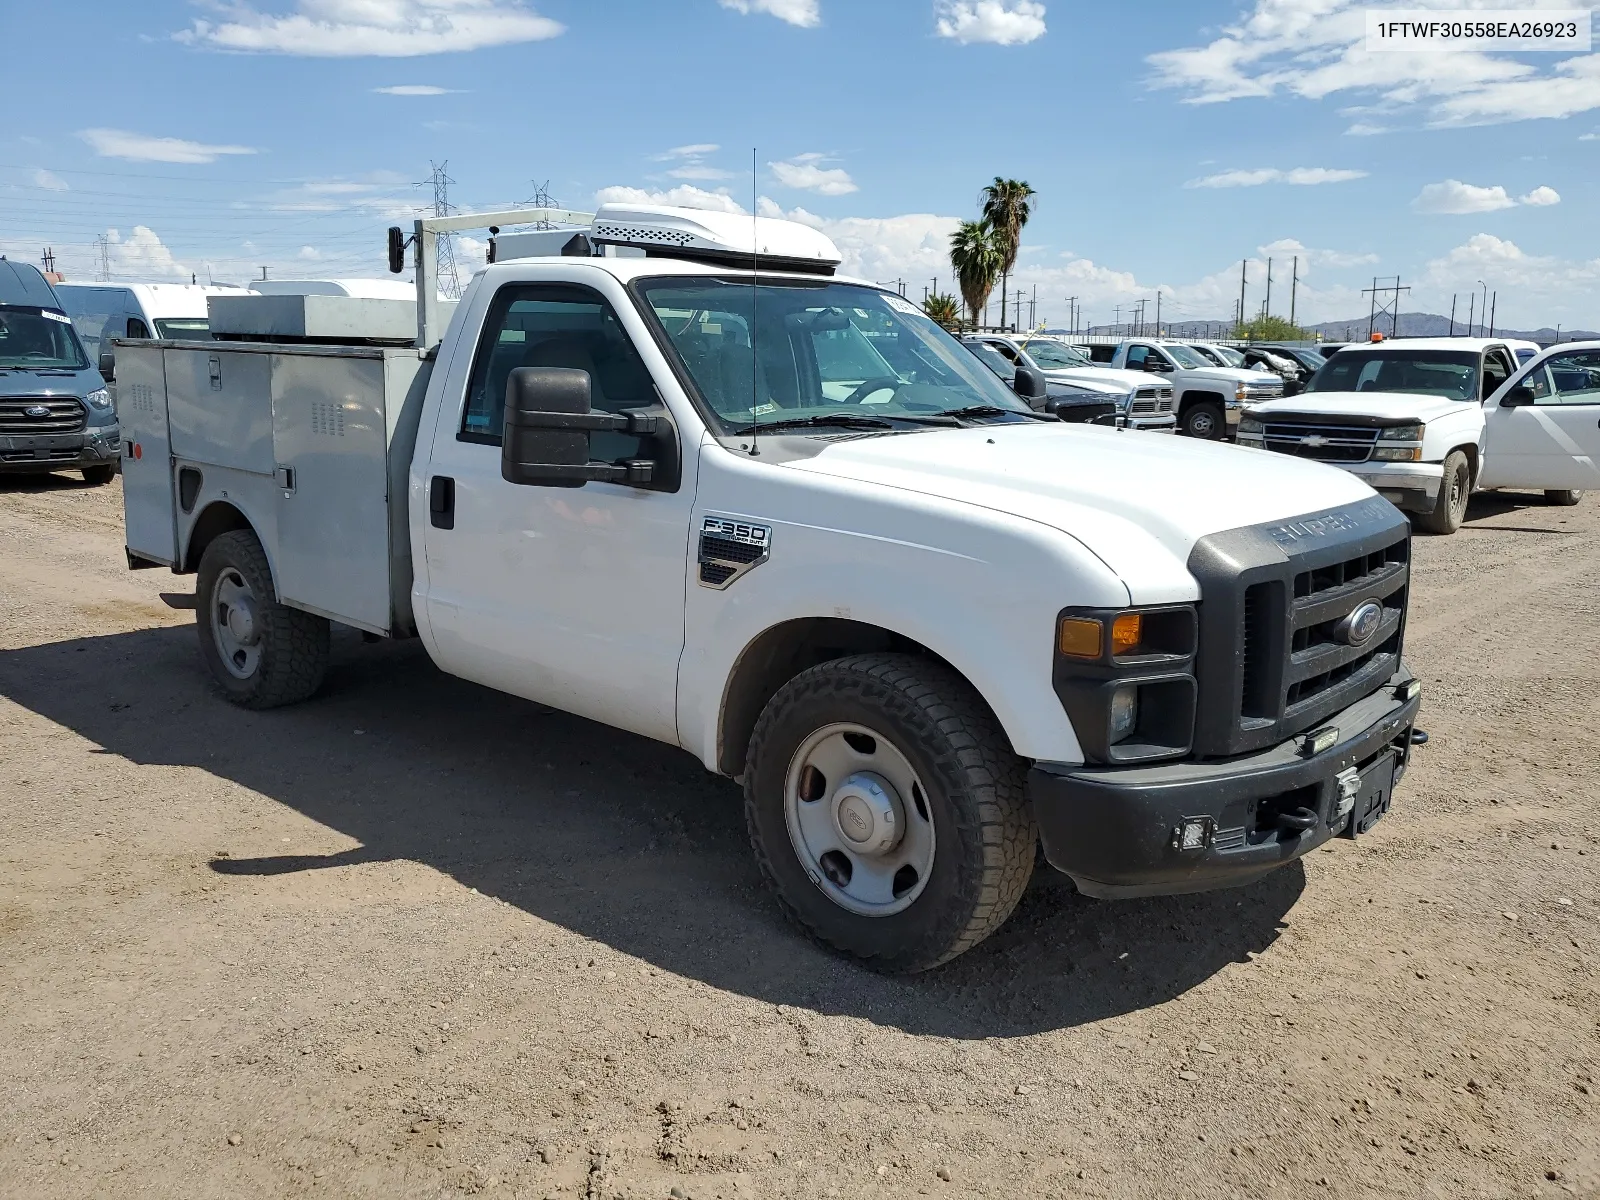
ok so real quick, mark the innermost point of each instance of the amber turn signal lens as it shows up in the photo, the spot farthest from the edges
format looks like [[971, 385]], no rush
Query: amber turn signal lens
[[1127, 631], [1079, 637]]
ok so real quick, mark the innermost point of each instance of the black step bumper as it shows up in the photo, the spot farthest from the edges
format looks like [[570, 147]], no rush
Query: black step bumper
[[96, 446], [1117, 831]]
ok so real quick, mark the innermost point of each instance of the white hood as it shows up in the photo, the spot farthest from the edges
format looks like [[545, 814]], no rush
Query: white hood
[[1232, 375], [1109, 379], [1384, 405], [1125, 495]]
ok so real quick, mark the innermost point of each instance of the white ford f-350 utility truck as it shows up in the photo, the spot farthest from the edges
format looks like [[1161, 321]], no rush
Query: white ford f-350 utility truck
[[1426, 421], [685, 480]]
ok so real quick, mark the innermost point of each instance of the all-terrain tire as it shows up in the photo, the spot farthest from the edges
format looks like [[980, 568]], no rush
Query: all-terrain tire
[[1563, 497], [1205, 421], [1455, 489], [293, 644], [975, 788], [99, 476]]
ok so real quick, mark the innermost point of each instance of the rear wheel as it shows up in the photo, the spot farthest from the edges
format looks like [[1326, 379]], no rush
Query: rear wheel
[[262, 654], [887, 810], [1565, 497], [1203, 420], [99, 476], [1454, 490]]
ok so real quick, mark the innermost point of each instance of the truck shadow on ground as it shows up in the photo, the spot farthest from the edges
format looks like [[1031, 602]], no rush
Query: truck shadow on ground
[[615, 837]]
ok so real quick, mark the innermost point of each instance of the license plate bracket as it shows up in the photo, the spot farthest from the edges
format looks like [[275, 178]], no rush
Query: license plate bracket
[[1375, 796]]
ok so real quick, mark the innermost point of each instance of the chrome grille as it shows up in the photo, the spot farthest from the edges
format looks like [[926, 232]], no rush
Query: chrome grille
[[1319, 660], [1148, 401], [1325, 443], [20, 416]]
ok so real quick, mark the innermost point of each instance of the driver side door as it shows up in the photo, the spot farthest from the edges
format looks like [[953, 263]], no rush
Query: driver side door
[[1554, 442]]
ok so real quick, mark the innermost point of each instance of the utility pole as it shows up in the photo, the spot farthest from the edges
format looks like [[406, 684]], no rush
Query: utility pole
[[1033, 308], [1118, 325], [1266, 306], [1452, 314], [1294, 286], [1244, 267], [1388, 308], [103, 244], [1483, 312], [1072, 313], [444, 245], [1494, 307], [1158, 312]]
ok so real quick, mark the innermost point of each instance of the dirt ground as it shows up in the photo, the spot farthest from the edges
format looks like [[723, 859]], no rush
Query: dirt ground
[[417, 939]]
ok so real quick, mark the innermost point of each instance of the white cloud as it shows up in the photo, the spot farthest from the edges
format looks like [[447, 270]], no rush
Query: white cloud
[[803, 172], [1300, 176], [1316, 48], [683, 196], [1545, 289], [697, 150], [138, 147], [375, 28], [1452, 197], [142, 255], [309, 253], [1002, 22], [48, 180], [803, 13], [1288, 248], [702, 172], [416, 89]]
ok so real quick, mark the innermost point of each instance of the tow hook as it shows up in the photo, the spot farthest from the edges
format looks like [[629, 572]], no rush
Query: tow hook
[[1297, 820], [1419, 737]]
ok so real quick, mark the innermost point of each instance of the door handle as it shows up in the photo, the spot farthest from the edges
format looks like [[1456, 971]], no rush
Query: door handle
[[442, 502]]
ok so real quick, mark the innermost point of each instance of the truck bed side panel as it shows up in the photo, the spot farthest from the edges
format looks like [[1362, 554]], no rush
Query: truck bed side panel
[[330, 439], [147, 496]]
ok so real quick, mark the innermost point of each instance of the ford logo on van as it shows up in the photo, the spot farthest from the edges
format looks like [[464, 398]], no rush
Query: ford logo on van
[[36, 410], [1358, 628]]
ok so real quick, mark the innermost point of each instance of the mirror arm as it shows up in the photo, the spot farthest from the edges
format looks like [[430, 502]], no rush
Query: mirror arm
[[635, 471], [635, 421]]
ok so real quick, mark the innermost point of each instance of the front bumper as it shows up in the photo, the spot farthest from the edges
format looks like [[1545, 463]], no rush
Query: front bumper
[[1114, 829], [93, 447], [1160, 423], [1422, 477]]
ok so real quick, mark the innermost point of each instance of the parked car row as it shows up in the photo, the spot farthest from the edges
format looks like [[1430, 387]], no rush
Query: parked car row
[[1077, 388]]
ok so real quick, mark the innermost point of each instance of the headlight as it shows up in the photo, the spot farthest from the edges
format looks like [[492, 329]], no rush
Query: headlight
[[1124, 401], [1401, 433], [1241, 392], [1398, 454], [99, 399], [1126, 680], [1124, 714], [1252, 425]]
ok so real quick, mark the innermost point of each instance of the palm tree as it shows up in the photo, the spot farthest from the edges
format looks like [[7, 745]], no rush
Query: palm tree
[[946, 310], [1007, 205], [976, 260]]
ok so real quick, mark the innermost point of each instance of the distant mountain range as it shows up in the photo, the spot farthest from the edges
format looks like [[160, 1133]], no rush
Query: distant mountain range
[[1415, 324]]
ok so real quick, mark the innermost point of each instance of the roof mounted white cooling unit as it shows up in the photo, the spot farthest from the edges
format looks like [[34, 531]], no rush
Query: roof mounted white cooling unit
[[715, 237]]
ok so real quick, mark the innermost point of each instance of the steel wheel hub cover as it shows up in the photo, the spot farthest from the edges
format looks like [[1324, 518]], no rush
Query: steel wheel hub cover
[[867, 813], [242, 621]]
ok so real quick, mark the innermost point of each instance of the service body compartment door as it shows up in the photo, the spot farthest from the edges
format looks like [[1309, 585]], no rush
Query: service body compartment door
[[147, 489], [331, 464], [219, 404]]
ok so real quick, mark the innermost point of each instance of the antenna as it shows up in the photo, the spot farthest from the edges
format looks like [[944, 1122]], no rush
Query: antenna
[[755, 297]]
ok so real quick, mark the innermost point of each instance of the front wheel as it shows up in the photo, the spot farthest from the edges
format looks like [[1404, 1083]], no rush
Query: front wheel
[[1454, 490], [99, 476], [887, 810], [262, 654], [1204, 421], [1564, 497]]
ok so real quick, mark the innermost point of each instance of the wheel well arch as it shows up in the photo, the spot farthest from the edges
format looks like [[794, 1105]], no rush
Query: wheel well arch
[[217, 518], [1189, 399], [1470, 449], [780, 653]]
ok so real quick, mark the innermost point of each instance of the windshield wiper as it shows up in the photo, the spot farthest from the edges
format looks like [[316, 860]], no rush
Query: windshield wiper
[[841, 420], [992, 410]]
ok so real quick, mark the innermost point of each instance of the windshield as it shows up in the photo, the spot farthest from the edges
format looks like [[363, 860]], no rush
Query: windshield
[[36, 339], [183, 328], [1185, 357], [1452, 374], [1053, 356], [824, 350], [993, 359]]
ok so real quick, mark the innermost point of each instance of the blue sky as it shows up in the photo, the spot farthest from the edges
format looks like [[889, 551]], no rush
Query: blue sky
[[1167, 140]]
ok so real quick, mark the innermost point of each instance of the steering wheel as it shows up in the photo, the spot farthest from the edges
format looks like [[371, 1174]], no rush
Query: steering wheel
[[873, 385]]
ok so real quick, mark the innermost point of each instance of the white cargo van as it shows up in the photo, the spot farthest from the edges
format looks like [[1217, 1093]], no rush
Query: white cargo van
[[719, 496]]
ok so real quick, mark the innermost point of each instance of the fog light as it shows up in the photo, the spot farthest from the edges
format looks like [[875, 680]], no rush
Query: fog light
[[1408, 690], [1124, 713], [1319, 740], [1193, 834]]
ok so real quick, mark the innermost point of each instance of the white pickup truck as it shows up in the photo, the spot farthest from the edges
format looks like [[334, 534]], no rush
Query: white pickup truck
[[1143, 403], [1426, 421], [686, 481], [1210, 398]]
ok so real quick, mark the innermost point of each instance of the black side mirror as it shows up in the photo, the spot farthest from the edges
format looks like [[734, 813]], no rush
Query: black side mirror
[[1519, 397], [397, 250], [1029, 384], [108, 365], [1154, 364], [548, 421]]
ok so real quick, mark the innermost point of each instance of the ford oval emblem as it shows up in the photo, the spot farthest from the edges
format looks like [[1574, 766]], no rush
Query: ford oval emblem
[[1360, 626], [36, 410]]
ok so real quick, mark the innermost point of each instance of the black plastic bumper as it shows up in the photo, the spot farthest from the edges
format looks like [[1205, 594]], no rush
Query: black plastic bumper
[[1118, 831], [94, 447]]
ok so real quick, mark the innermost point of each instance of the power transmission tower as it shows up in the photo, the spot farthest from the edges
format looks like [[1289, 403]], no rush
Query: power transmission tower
[[444, 243], [103, 244], [48, 258], [541, 198], [1385, 308]]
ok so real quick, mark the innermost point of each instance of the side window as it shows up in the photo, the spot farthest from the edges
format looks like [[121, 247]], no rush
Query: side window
[[1010, 354], [1575, 377], [137, 328], [555, 325], [1137, 356], [1538, 382], [1496, 370]]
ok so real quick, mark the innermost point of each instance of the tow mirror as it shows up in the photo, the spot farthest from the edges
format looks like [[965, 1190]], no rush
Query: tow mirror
[[548, 424], [397, 250], [1155, 364], [108, 365], [1029, 384], [1519, 397]]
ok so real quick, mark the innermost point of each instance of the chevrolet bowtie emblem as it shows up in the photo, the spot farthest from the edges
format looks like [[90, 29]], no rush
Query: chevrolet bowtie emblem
[[1314, 440]]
